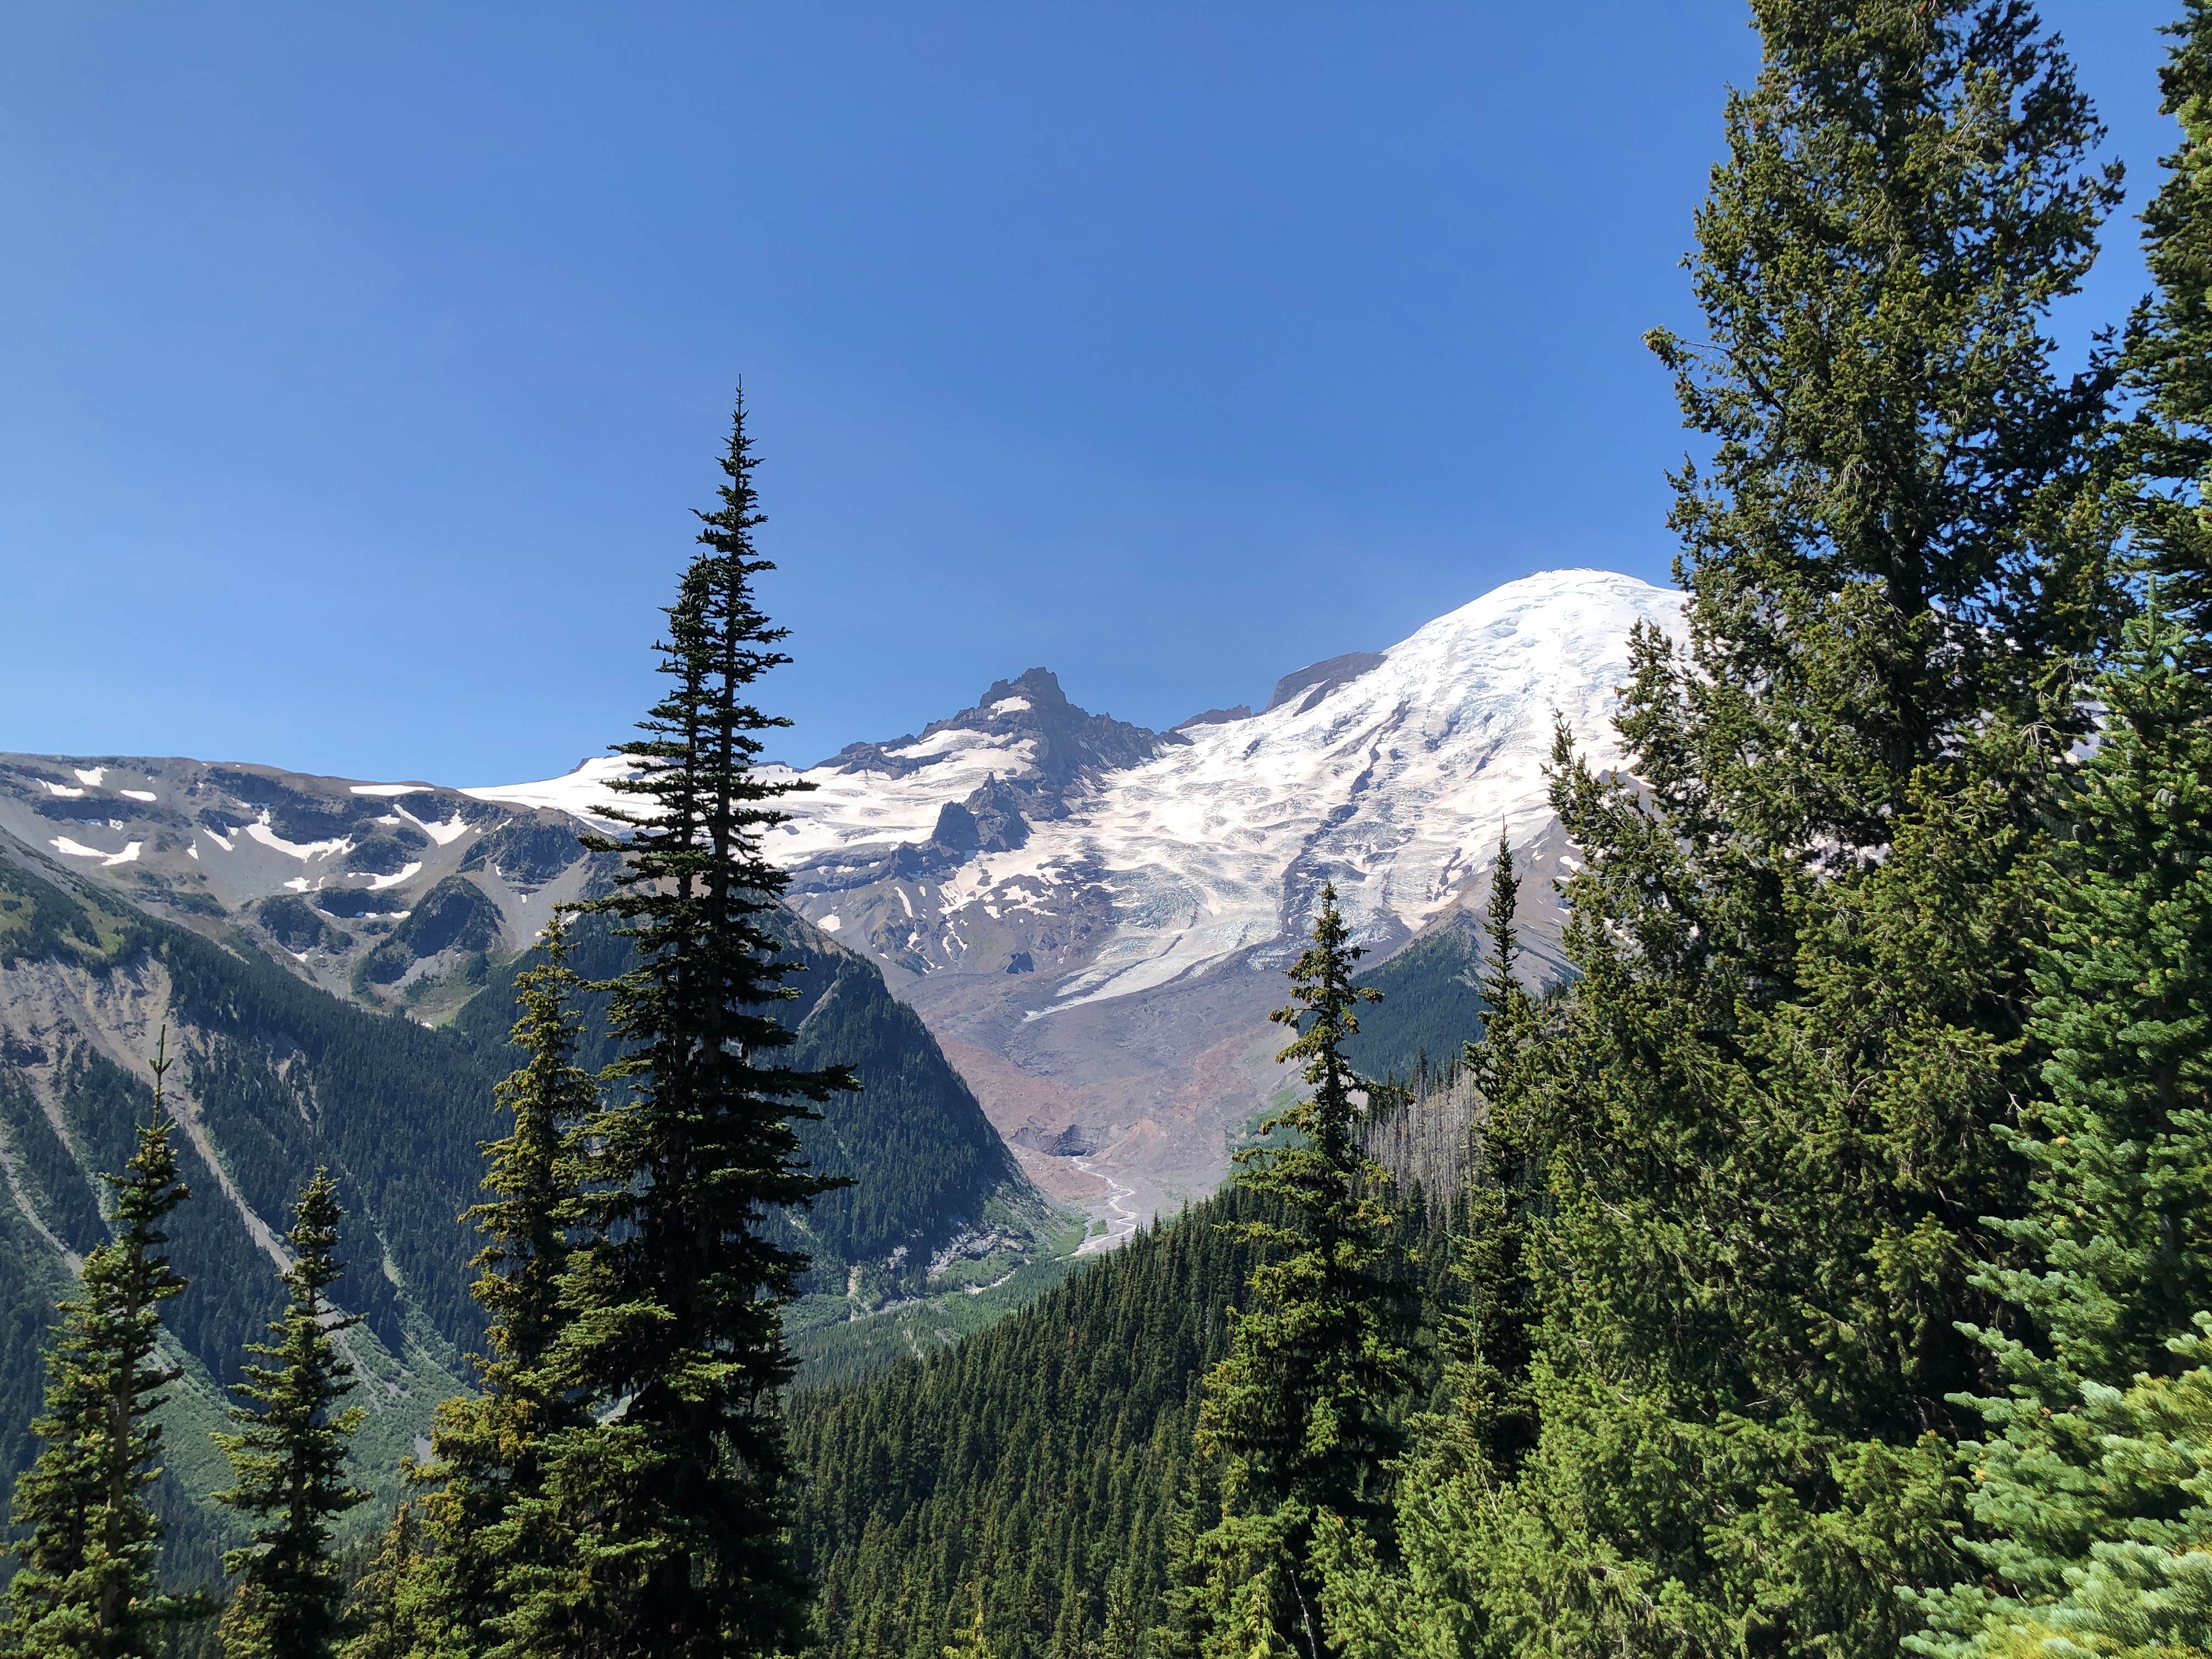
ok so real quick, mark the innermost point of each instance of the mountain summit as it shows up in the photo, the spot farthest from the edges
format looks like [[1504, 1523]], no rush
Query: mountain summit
[[1078, 905]]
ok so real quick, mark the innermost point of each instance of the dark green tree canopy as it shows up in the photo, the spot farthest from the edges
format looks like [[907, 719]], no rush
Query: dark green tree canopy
[[84, 1582], [669, 1504], [290, 1453]]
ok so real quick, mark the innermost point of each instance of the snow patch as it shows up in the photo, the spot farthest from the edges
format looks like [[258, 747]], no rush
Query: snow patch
[[89, 775], [1008, 706], [223, 841], [137, 794], [583, 793], [63, 790], [68, 848], [444, 834], [379, 883], [301, 850], [830, 924], [389, 788]]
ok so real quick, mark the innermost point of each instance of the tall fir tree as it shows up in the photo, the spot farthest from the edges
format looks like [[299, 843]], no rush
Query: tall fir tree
[[672, 1505], [392, 1610], [1425, 1601], [1300, 1419], [1801, 932], [85, 1583], [2095, 1490], [2169, 352], [288, 1458], [2094, 1486], [486, 1540]]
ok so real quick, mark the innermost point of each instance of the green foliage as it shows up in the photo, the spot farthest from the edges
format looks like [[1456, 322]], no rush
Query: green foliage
[[1298, 1420], [2091, 1489], [84, 1584], [2074, 1496], [912, 1140], [1431, 1005], [1764, 1112], [483, 1522], [2169, 352], [388, 1614], [289, 1455], [1046, 1453], [668, 1507]]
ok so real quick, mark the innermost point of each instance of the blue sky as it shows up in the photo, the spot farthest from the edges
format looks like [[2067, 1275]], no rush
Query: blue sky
[[359, 365]]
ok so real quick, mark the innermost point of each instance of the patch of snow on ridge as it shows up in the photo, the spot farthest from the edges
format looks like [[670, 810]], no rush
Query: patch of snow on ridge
[[393, 880], [137, 794], [63, 790], [843, 809], [444, 834], [387, 788], [68, 848], [583, 791], [91, 775], [300, 850]]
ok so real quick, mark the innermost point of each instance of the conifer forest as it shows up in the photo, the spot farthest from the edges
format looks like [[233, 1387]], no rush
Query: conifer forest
[[1814, 1261]]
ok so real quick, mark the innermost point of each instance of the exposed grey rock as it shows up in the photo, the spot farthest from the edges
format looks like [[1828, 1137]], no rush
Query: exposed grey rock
[[1317, 680]]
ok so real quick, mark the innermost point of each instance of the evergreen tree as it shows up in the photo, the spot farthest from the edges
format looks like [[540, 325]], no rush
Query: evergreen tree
[[486, 1533], [2090, 1482], [973, 1642], [1300, 1415], [2092, 1491], [290, 1456], [84, 1586], [671, 1507], [1802, 928], [2169, 355], [388, 1614], [1426, 1600], [2093, 1487]]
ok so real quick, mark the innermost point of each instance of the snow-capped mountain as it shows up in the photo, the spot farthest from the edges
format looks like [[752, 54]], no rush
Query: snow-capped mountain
[[1091, 916], [1014, 826], [1077, 905]]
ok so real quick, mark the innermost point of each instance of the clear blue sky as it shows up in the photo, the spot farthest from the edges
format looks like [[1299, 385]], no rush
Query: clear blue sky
[[358, 364]]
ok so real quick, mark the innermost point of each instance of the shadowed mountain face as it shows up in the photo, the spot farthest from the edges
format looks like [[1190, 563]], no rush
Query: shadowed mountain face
[[1094, 918]]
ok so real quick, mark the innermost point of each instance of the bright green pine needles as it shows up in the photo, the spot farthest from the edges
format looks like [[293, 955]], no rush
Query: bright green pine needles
[[1299, 1422], [2094, 1488], [288, 1457], [84, 1585], [670, 1506]]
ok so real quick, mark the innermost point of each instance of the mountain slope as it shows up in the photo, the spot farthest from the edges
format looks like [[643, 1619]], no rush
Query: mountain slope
[[1091, 917], [934, 1188], [275, 1076]]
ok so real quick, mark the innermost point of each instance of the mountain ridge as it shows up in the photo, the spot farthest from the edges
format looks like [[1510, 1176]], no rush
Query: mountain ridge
[[1101, 952]]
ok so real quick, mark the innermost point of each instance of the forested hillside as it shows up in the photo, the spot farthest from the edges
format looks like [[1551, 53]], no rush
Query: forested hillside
[[1036, 1470], [271, 1078], [275, 1076]]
